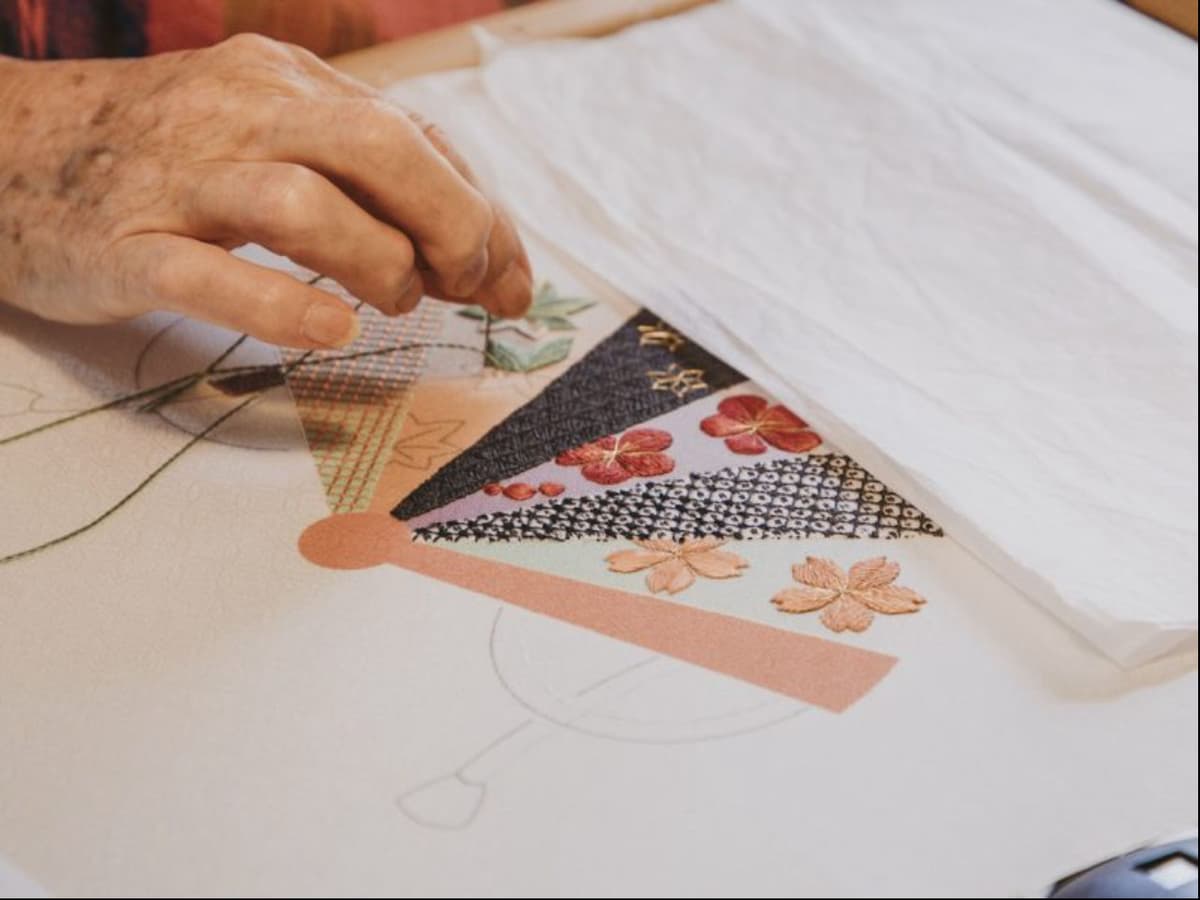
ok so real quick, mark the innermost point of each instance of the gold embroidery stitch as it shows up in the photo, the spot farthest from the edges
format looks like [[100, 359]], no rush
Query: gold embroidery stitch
[[678, 381], [660, 336]]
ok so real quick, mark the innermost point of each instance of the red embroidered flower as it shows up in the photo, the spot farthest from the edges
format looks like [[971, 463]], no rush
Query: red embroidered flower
[[551, 488], [748, 424], [612, 459], [493, 489]]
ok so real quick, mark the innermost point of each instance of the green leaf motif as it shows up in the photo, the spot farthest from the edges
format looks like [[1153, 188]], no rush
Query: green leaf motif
[[548, 309], [510, 359], [557, 308], [550, 353], [501, 356]]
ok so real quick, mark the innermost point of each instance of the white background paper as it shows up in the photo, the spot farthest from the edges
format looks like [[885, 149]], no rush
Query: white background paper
[[962, 235]]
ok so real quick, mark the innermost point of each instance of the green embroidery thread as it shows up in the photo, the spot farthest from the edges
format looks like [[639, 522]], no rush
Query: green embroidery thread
[[159, 395]]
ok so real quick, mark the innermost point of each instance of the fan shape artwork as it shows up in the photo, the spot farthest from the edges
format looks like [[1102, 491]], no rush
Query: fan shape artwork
[[644, 473], [589, 462]]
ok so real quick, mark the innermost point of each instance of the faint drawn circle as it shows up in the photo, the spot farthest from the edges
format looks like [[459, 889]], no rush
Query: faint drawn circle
[[183, 347], [594, 685]]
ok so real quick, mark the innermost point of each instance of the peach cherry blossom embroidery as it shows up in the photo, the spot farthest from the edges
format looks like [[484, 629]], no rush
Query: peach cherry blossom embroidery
[[612, 459], [849, 599], [674, 566], [748, 424]]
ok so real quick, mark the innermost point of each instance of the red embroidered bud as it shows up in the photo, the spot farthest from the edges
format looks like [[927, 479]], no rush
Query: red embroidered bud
[[519, 491]]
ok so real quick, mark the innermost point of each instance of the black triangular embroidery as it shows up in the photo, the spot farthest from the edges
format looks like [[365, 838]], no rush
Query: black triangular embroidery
[[821, 495], [607, 391]]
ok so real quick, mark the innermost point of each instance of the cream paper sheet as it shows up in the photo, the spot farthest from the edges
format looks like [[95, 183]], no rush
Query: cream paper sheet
[[963, 236]]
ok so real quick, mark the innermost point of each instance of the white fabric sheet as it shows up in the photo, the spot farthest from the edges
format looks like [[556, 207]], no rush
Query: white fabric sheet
[[962, 235]]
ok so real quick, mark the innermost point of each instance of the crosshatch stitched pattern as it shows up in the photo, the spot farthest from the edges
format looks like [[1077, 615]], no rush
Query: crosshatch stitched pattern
[[820, 495], [353, 409], [605, 392]]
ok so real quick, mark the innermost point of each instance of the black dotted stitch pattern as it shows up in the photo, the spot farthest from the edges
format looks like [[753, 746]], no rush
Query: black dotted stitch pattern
[[819, 495], [605, 392]]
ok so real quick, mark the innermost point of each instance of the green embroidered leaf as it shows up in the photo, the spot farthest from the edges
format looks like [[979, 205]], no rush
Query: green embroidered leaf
[[510, 359], [550, 353], [501, 356], [548, 309], [557, 308]]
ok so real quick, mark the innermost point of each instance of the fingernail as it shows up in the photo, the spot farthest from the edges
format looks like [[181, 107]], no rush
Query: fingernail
[[411, 295], [468, 281], [330, 325]]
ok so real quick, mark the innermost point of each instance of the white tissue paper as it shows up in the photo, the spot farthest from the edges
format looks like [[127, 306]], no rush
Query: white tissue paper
[[966, 254]]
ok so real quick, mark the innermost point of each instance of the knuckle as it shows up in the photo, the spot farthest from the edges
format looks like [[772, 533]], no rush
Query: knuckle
[[168, 277], [471, 231], [301, 54], [400, 250], [248, 45], [395, 277], [376, 126], [433, 133], [288, 198]]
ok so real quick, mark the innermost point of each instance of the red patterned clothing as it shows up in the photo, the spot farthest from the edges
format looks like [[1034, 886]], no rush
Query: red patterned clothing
[[71, 29]]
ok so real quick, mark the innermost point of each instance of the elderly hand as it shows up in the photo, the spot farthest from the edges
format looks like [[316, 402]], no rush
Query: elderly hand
[[123, 183]]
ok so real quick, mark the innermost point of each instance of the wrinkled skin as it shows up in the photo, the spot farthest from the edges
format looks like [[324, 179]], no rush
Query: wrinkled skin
[[123, 184]]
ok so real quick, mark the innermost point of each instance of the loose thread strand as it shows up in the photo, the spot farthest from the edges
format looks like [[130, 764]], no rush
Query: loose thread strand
[[110, 404], [141, 486], [169, 390]]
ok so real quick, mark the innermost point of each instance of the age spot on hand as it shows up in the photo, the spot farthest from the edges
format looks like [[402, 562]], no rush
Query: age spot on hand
[[97, 159], [104, 113], [17, 184]]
